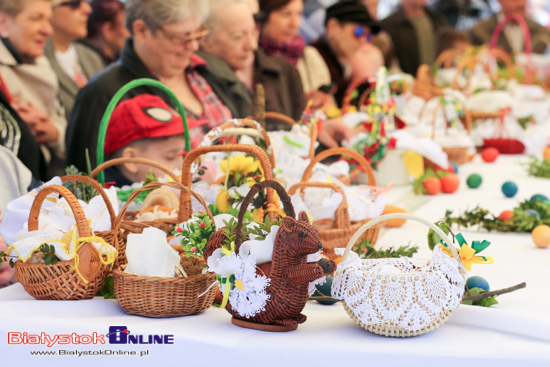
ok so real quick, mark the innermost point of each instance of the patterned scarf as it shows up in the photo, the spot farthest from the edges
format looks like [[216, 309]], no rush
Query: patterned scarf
[[292, 50]]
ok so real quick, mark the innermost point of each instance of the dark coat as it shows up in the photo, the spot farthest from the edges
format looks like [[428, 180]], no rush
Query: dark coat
[[17, 137], [335, 68], [284, 92], [481, 33], [92, 100], [404, 40]]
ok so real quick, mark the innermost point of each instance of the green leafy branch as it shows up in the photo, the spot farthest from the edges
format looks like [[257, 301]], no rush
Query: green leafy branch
[[367, 251], [263, 229], [48, 252], [539, 168], [193, 239], [524, 219], [4, 258], [81, 190]]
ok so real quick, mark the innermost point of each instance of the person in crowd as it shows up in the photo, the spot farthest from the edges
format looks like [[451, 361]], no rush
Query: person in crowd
[[450, 38], [463, 14], [280, 23], [106, 29], [238, 52], [17, 136], [144, 127], [372, 55], [233, 38], [348, 27], [413, 28], [512, 38], [73, 63], [16, 180], [164, 36], [29, 84]]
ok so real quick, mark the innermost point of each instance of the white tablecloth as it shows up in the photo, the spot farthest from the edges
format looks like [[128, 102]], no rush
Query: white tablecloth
[[516, 332]]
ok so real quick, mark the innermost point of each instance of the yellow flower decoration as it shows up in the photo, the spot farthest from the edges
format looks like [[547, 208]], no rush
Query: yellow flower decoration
[[467, 255], [241, 164], [239, 284], [222, 201]]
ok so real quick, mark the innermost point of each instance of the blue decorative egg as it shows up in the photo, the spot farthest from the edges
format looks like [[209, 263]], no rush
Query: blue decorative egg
[[509, 189], [478, 282], [324, 290], [533, 213]]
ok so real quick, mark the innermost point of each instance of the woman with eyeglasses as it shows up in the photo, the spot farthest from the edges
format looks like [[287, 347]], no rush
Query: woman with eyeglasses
[[73, 63], [29, 83], [279, 24], [162, 45], [348, 27]]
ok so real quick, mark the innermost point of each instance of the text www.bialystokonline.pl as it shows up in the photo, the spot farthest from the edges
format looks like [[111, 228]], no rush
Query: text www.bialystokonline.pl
[[82, 353]]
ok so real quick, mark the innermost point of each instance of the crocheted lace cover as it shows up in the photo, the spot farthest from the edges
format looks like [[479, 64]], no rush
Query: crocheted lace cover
[[408, 292]]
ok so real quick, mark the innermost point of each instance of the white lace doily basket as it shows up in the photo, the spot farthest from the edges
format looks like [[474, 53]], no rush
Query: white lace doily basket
[[400, 297]]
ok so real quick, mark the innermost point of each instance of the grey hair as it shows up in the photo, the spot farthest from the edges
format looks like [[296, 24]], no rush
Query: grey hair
[[156, 13], [212, 20], [14, 7]]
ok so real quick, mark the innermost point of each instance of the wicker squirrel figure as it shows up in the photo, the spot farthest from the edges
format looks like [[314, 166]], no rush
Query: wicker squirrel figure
[[290, 273]]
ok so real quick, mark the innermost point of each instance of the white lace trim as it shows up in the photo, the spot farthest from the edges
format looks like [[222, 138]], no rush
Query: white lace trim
[[408, 292]]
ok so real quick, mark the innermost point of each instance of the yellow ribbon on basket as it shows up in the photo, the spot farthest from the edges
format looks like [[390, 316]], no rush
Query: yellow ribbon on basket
[[227, 252], [110, 255]]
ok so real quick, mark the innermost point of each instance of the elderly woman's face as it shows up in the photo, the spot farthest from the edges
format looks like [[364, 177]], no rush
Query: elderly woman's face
[[283, 24], [29, 30], [235, 37], [170, 48], [70, 18]]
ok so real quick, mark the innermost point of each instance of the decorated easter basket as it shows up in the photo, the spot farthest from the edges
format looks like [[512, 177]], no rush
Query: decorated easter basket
[[504, 144], [189, 166], [457, 154], [160, 296], [76, 279], [424, 84], [277, 306], [400, 297], [240, 127], [338, 232]]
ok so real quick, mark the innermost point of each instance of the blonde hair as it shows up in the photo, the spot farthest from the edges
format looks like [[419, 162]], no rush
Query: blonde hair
[[14, 7], [156, 13]]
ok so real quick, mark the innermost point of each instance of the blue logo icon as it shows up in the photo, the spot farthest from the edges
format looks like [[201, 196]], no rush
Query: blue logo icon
[[118, 334]]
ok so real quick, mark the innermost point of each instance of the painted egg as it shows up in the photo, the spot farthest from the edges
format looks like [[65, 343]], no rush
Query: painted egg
[[509, 189], [541, 236]]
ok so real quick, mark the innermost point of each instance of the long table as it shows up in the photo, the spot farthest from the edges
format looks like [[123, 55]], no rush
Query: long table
[[515, 332]]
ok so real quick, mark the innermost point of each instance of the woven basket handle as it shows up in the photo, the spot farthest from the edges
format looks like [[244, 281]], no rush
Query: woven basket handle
[[341, 216], [473, 61], [137, 160], [343, 151], [193, 155], [114, 101], [386, 217], [446, 58], [98, 188], [226, 126], [526, 37], [88, 269], [156, 185], [439, 106], [283, 195]]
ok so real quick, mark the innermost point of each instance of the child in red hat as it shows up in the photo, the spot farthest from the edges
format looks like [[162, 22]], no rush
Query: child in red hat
[[144, 127]]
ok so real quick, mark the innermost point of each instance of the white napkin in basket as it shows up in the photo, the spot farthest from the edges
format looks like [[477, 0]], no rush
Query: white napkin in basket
[[150, 255]]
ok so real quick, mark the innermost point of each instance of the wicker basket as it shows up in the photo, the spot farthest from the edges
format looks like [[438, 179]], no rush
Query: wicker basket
[[290, 273], [424, 85], [459, 155], [195, 154], [343, 229], [503, 145], [159, 296], [375, 317], [62, 280]]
